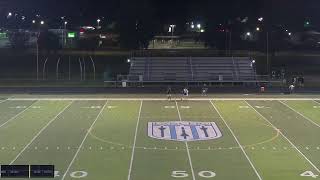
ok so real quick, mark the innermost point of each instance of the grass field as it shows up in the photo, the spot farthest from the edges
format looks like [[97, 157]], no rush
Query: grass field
[[99, 139]]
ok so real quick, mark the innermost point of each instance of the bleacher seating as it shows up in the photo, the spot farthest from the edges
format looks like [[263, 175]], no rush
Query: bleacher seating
[[193, 68]]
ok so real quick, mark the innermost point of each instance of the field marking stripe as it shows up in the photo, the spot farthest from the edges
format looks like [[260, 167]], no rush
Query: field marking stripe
[[84, 139], [241, 147], [294, 146], [187, 146], [316, 101], [162, 99], [134, 142], [3, 101], [7, 99], [305, 117], [15, 116], [37, 135]]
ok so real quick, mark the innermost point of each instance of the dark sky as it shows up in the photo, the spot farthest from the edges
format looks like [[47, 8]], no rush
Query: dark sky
[[287, 11]]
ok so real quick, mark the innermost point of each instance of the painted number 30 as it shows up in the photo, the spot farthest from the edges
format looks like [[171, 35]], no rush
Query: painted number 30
[[183, 174]]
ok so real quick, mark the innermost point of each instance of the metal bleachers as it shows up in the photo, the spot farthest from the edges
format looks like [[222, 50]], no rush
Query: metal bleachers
[[214, 69]]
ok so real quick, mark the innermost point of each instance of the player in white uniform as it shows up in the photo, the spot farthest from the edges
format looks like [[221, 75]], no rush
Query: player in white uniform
[[185, 93]]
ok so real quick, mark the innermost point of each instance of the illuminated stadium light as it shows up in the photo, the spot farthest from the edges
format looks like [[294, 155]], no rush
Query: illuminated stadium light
[[248, 33], [260, 19], [128, 60], [102, 36], [42, 22], [98, 23], [199, 26], [258, 28], [171, 28], [88, 28]]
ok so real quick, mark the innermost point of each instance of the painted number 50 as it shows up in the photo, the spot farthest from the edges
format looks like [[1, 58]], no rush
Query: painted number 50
[[183, 174]]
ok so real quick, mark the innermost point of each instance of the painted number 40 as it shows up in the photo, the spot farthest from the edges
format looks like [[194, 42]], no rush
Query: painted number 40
[[183, 174], [309, 174]]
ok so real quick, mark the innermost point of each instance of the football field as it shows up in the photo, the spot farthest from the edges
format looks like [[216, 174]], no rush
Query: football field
[[154, 139]]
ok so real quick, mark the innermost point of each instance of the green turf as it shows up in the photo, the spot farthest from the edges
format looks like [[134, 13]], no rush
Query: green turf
[[279, 140]]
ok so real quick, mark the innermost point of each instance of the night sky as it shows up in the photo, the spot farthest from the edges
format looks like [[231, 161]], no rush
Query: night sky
[[290, 12]]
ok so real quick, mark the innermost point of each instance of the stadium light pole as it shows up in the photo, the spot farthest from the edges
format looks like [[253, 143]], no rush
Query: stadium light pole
[[94, 68], [65, 32], [98, 21], [37, 57], [57, 69], [69, 68], [44, 69], [267, 41], [172, 26], [84, 69], [37, 47], [80, 68]]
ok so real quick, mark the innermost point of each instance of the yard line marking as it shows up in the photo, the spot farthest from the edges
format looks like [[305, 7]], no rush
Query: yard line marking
[[3, 101], [294, 146], [300, 114], [14, 117], [53, 119], [84, 139], [6, 99], [241, 147], [187, 146], [316, 107], [316, 101], [134, 142]]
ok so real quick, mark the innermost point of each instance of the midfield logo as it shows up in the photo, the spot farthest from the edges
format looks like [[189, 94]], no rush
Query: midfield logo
[[184, 131]]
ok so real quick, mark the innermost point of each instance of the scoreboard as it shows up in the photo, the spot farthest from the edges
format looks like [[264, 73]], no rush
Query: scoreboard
[[27, 171]]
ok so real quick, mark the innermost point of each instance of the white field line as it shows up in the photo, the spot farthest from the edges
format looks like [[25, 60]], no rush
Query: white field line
[[37, 135], [6, 99], [134, 142], [241, 147], [3, 101], [162, 99], [316, 101], [294, 146], [187, 147], [14, 117], [300, 114], [84, 139]]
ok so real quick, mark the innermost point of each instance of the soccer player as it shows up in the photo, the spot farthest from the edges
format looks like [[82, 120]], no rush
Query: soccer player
[[185, 93], [291, 88], [204, 90]]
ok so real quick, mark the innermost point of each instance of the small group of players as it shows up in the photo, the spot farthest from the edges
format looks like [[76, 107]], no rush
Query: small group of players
[[185, 92]]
